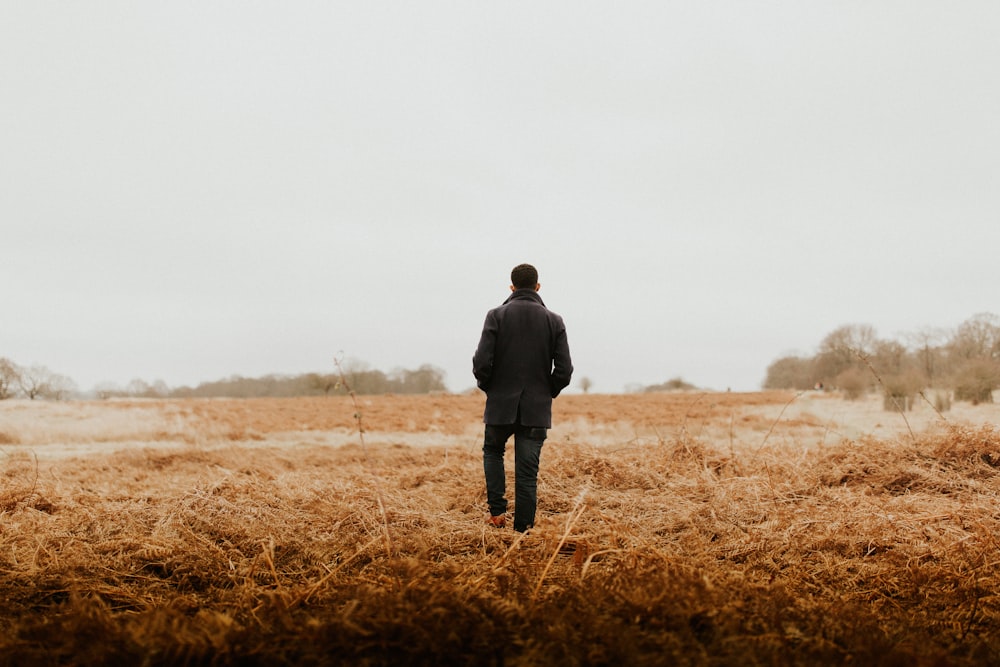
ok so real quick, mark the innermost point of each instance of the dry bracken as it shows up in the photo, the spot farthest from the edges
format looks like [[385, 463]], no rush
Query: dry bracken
[[689, 529]]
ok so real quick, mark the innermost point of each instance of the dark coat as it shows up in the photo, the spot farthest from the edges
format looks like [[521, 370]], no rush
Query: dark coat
[[522, 361]]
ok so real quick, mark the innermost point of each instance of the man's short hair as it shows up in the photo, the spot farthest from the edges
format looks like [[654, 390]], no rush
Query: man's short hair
[[524, 276]]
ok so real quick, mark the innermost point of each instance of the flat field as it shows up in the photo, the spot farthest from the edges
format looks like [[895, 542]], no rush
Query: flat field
[[685, 528]]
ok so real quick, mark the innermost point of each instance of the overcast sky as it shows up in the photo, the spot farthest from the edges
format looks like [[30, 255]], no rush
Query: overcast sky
[[193, 190]]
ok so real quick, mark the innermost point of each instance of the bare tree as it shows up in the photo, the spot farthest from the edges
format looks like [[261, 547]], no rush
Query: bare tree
[[839, 351], [974, 358], [33, 381], [10, 378], [890, 357], [137, 387], [40, 382], [60, 387], [585, 384], [106, 390], [927, 345], [977, 338]]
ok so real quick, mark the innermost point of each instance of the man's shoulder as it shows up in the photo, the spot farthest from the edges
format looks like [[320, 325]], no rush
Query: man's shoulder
[[522, 299]]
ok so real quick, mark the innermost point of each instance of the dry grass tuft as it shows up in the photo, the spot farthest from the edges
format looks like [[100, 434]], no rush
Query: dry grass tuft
[[666, 547]]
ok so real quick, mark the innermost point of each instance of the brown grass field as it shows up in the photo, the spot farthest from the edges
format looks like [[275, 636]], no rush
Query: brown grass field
[[689, 528]]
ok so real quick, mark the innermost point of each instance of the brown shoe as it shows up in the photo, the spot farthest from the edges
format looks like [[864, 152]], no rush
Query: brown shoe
[[498, 521]]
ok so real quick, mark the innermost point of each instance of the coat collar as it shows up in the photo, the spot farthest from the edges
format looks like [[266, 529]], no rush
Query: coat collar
[[525, 293]]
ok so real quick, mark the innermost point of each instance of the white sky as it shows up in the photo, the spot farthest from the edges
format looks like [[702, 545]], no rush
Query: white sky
[[191, 190]]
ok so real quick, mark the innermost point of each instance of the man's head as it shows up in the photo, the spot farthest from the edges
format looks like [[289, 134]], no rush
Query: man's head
[[524, 276]]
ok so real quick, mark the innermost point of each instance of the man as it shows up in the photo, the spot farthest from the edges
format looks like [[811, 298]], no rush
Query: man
[[522, 363]]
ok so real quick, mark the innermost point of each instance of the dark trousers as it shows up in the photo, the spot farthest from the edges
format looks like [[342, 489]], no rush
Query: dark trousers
[[528, 441]]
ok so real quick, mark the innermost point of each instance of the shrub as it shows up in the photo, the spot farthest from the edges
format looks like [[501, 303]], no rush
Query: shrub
[[790, 373], [854, 382], [900, 390], [976, 380]]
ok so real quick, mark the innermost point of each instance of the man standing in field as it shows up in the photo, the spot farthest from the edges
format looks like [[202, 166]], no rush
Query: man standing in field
[[522, 363]]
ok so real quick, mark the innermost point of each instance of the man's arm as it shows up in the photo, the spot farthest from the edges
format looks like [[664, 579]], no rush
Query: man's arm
[[562, 365], [482, 360]]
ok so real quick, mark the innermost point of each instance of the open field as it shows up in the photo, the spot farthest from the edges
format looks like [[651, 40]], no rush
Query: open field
[[691, 528]]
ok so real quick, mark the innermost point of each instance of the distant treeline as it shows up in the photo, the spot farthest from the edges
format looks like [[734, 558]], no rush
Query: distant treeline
[[356, 377], [674, 384], [963, 363]]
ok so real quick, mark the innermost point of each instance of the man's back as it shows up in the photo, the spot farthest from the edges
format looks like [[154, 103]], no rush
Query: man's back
[[522, 361]]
